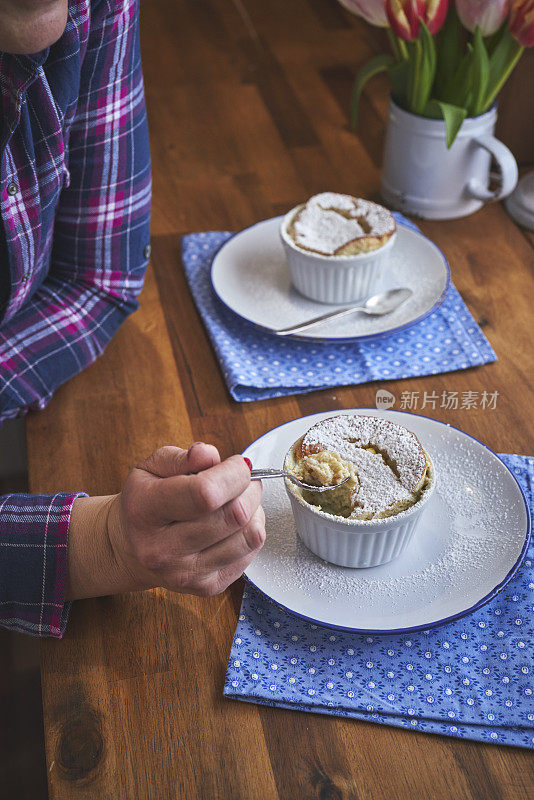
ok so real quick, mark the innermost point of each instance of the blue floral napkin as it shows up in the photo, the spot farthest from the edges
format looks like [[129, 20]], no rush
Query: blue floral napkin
[[257, 365], [472, 678]]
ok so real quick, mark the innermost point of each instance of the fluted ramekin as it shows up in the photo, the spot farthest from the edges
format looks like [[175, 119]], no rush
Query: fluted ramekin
[[333, 279], [351, 542]]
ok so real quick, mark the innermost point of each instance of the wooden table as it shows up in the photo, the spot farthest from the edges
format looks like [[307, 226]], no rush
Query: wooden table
[[248, 115]]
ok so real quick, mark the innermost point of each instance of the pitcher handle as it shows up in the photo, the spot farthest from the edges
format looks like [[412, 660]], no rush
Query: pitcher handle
[[507, 168]]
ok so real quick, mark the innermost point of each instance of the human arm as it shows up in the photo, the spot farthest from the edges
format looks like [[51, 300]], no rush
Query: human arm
[[183, 520]]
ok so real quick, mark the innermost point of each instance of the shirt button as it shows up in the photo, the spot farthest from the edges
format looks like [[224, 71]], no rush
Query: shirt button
[[25, 278], [147, 251], [12, 188]]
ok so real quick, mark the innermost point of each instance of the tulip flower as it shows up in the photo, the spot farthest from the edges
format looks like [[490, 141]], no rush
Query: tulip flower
[[405, 16], [521, 21], [372, 11], [487, 14]]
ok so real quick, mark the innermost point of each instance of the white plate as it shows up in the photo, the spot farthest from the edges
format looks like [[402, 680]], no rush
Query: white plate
[[250, 276], [470, 540]]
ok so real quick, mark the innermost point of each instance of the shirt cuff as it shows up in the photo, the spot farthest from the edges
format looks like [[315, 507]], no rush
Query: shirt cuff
[[11, 406], [34, 533]]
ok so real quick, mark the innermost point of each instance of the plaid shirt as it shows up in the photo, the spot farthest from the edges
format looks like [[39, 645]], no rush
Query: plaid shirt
[[75, 203]]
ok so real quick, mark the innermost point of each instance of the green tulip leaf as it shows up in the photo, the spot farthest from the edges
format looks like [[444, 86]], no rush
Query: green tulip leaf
[[428, 68], [449, 50], [453, 116], [373, 67], [458, 86], [414, 75], [399, 76], [505, 55], [480, 73], [494, 40], [433, 110], [500, 56]]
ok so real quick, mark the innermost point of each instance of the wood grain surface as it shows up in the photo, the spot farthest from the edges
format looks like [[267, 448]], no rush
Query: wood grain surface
[[247, 106]]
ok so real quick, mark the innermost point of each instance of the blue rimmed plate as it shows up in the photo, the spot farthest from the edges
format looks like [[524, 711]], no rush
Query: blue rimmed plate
[[250, 276], [470, 541]]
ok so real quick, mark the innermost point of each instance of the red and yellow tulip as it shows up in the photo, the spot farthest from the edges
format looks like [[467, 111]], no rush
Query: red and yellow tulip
[[521, 21], [406, 16]]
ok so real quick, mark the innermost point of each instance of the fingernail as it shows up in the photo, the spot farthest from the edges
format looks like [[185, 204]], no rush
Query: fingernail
[[248, 462], [193, 445]]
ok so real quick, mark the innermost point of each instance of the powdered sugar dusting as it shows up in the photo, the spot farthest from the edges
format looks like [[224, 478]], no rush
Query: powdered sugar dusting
[[329, 220], [379, 486], [470, 521]]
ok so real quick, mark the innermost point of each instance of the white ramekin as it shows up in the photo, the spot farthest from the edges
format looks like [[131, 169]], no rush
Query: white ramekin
[[333, 279], [355, 543]]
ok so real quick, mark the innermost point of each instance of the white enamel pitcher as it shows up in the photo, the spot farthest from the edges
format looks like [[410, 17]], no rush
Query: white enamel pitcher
[[422, 177]]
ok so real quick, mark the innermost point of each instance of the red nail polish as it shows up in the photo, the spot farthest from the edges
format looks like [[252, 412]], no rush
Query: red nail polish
[[248, 462]]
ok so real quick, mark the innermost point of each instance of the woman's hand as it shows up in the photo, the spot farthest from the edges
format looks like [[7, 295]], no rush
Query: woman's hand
[[184, 520]]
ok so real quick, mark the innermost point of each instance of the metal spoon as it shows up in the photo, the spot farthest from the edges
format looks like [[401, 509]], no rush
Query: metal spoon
[[377, 305], [260, 474]]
